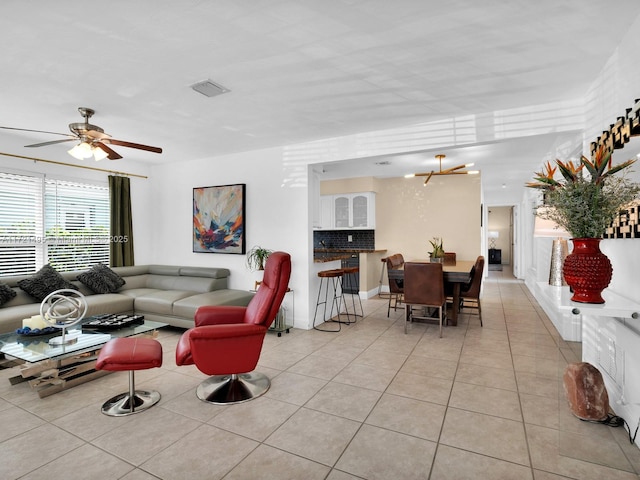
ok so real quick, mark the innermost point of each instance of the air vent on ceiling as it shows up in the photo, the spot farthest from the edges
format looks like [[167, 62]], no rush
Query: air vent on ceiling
[[209, 88]]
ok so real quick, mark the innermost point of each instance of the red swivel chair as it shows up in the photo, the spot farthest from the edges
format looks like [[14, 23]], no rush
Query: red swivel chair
[[227, 340]]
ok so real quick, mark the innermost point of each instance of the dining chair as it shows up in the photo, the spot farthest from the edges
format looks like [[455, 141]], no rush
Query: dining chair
[[396, 290], [470, 293], [450, 258], [423, 288]]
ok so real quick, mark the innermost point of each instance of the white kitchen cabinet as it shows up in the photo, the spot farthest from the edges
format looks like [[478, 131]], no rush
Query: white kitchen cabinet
[[354, 210], [326, 212]]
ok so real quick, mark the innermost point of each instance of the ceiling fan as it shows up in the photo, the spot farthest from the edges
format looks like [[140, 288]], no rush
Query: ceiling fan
[[93, 140], [448, 171]]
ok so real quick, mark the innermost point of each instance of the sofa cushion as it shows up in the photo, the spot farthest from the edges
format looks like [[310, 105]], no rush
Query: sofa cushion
[[43, 282], [108, 303], [160, 301], [101, 279], [6, 293], [187, 307]]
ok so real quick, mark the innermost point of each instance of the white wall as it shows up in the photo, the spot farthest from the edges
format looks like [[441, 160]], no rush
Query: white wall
[[277, 216]]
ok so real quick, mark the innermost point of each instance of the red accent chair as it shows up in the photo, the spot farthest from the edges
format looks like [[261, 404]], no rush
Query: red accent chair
[[227, 340]]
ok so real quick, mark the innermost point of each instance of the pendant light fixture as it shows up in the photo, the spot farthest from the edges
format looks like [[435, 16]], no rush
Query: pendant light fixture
[[449, 171]]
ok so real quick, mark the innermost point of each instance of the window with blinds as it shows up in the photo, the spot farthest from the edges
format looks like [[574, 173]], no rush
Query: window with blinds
[[45, 220]]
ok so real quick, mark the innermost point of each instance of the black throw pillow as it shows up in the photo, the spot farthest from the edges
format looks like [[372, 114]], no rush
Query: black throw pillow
[[43, 282], [6, 293], [101, 279]]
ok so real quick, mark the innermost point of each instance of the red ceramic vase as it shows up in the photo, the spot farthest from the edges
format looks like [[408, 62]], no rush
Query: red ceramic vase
[[587, 270]]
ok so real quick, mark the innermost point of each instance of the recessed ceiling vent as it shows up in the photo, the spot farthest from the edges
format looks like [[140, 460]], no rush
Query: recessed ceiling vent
[[209, 88]]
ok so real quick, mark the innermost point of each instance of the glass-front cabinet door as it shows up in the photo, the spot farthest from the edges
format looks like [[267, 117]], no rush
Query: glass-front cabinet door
[[360, 209], [341, 206], [347, 210]]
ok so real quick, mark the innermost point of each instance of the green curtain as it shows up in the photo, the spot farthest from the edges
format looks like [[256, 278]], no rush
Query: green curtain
[[121, 224]]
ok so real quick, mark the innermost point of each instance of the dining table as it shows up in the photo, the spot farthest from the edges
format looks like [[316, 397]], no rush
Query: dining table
[[456, 273]]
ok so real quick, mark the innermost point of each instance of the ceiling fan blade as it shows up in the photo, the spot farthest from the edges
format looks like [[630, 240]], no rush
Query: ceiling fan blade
[[122, 143], [111, 154], [53, 142], [35, 131]]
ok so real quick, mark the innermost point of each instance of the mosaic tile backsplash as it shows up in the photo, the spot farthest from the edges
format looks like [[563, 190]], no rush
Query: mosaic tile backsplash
[[365, 239]]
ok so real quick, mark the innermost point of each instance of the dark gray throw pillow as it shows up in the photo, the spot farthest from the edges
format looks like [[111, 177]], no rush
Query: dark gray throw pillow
[[6, 293], [43, 282], [101, 279]]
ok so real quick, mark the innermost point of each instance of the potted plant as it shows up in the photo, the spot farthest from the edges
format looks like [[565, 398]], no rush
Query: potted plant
[[257, 256], [584, 202], [437, 254]]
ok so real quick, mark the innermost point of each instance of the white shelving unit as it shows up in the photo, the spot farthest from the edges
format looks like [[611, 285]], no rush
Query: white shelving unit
[[610, 336]]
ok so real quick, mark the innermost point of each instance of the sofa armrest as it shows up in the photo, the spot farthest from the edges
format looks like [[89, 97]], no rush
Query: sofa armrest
[[219, 314]]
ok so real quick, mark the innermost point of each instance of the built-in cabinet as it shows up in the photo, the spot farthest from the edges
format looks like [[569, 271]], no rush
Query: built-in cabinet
[[326, 212], [347, 210]]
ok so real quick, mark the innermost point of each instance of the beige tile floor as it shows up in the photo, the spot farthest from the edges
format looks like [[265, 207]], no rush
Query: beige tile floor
[[368, 402]]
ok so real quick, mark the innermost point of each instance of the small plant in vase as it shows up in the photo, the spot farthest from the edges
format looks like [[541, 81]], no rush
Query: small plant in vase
[[437, 254], [256, 257], [584, 202]]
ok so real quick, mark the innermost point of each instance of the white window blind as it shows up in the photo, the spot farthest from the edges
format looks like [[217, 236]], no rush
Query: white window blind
[[20, 223], [51, 221]]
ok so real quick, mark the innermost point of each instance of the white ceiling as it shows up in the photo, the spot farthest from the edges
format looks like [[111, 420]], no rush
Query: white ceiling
[[298, 71]]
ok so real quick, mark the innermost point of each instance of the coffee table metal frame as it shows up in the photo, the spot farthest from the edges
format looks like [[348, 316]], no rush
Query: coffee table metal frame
[[52, 368]]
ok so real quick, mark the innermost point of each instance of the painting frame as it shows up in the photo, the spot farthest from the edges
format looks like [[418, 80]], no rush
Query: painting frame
[[219, 214]]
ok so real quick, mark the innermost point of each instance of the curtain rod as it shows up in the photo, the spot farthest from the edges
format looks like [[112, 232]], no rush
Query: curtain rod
[[72, 165]]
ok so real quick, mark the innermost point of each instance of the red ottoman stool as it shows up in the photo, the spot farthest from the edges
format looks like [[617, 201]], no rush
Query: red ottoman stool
[[130, 353]]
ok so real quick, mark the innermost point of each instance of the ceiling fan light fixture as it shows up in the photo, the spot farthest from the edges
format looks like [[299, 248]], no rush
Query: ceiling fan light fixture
[[410, 175], [473, 172], [99, 154], [81, 151]]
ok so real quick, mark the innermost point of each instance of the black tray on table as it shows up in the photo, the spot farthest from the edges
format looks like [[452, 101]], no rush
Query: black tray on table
[[108, 322]]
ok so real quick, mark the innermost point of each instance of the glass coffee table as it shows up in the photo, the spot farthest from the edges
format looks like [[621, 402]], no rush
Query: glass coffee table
[[49, 368]]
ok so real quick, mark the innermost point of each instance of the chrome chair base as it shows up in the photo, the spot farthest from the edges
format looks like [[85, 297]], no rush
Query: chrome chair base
[[235, 388], [121, 405]]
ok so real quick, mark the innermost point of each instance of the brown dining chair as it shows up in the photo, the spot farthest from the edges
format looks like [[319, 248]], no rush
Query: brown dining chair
[[396, 290], [470, 293], [449, 258], [423, 288]]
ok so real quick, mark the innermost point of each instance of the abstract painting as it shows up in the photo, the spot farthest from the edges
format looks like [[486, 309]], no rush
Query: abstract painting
[[218, 219]]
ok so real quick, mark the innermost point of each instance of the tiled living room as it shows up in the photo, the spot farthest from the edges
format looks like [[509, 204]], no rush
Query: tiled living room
[[370, 402], [296, 103]]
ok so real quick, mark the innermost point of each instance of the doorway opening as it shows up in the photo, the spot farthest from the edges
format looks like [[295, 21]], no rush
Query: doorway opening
[[500, 237]]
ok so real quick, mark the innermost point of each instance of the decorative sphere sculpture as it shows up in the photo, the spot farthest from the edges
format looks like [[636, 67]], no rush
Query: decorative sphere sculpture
[[61, 309]]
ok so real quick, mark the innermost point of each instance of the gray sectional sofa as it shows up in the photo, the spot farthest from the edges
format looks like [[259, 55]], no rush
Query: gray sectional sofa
[[163, 293]]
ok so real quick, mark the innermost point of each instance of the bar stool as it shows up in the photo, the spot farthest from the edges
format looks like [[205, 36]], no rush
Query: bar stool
[[330, 279], [349, 284], [130, 354], [384, 265]]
